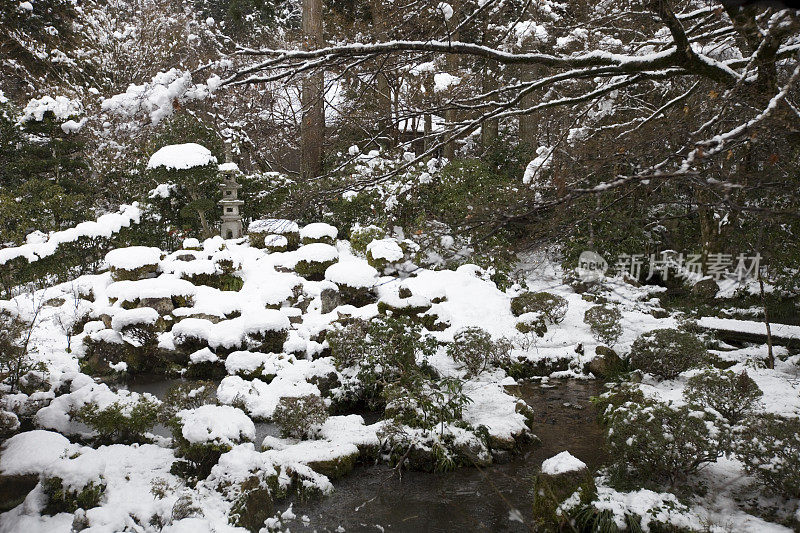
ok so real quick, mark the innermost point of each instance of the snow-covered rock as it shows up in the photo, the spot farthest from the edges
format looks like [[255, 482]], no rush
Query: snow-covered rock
[[216, 424], [561, 464]]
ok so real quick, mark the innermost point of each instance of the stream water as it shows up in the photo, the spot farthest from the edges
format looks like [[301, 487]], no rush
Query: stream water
[[375, 498]]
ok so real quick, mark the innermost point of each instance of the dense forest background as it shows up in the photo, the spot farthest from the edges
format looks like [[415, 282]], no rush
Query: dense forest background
[[479, 128]]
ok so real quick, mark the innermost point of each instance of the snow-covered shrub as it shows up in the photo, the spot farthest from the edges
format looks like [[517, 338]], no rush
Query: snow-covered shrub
[[769, 447], [604, 323], [425, 403], [734, 396], [259, 230], [184, 396], [300, 417], [655, 442], [138, 326], [355, 280], [314, 259], [532, 323], [347, 342], [388, 353], [275, 243], [201, 435], [118, 422], [474, 350], [667, 352], [318, 232], [383, 253], [361, 236], [133, 263], [62, 498], [551, 306]]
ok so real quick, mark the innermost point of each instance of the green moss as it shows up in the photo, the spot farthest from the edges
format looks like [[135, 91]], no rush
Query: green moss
[[61, 499], [313, 270], [550, 490], [361, 236], [121, 274], [269, 341]]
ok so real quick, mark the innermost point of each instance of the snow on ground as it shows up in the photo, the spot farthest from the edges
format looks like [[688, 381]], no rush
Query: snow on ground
[[275, 299]]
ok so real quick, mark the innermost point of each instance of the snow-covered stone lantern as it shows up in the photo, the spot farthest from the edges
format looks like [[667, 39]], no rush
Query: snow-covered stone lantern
[[231, 227]]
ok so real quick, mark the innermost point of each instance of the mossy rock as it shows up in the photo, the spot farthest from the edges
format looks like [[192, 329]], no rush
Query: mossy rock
[[706, 289], [523, 368], [64, 500], [337, 467], [254, 505], [412, 311], [143, 272], [357, 296], [606, 365], [330, 299], [269, 341], [324, 240], [313, 270], [164, 305], [549, 491]]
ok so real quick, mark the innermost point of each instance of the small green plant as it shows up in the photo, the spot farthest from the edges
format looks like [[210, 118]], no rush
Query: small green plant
[[347, 343], [551, 306], [426, 403], [64, 499], [604, 323], [655, 442], [734, 396], [301, 417], [667, 352], [769, 447], [361, 236], [384, 351], [122, 423], [189, 395], [474, 350]]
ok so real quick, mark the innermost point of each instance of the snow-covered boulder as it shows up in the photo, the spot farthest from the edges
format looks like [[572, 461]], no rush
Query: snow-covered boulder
[[133, 263], [384, 252], [220, 425], [318, 232], [314, 259], [355, 279]]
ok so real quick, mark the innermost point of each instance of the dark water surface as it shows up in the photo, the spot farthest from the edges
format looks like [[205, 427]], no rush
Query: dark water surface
[[374, 498], [371, 498]]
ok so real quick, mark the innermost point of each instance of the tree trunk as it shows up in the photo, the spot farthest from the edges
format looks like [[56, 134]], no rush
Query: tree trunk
[[384, 93], [312, 129], [450, 115], [490, 128]]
